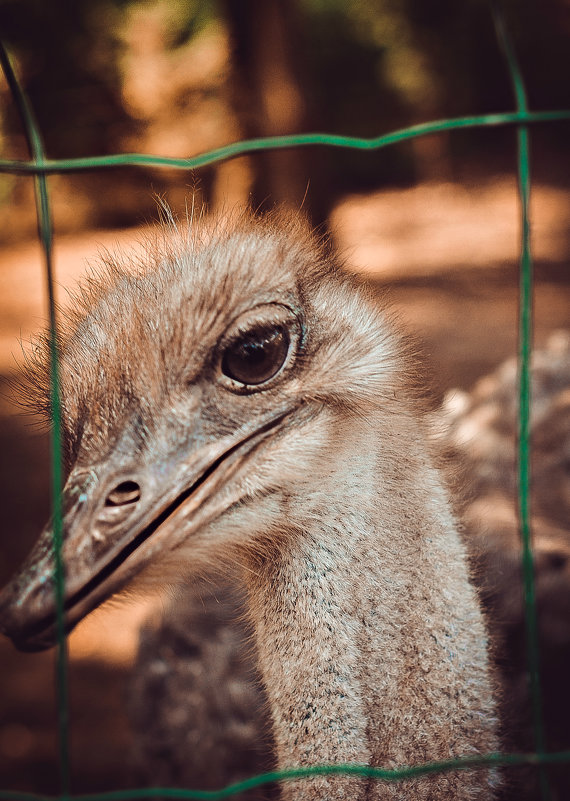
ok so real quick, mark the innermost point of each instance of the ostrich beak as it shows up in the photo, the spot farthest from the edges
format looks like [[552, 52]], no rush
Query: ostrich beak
[[116, 522]]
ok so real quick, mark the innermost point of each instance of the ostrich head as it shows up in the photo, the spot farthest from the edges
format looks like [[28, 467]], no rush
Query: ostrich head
[[203, 397]]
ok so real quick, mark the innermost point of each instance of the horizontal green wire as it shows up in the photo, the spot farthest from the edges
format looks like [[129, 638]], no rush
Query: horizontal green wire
[[365, 771], [275, 142]]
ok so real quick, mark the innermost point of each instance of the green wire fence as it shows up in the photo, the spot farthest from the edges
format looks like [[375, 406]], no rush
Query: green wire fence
[[40, 167]]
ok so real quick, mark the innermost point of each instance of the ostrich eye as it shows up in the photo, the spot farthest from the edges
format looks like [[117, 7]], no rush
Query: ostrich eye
[[256, 356]]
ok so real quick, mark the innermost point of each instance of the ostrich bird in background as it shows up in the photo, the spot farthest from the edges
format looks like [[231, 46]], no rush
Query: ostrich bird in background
[[239, 410], [478, 430]]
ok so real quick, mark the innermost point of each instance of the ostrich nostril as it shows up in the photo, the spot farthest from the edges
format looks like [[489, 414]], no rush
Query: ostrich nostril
[[124, 493]]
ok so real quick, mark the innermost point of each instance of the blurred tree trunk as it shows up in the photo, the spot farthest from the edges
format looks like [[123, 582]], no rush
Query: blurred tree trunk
[[272, 97]]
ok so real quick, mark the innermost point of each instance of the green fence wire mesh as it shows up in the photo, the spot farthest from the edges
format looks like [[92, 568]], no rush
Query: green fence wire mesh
[[40, 167]]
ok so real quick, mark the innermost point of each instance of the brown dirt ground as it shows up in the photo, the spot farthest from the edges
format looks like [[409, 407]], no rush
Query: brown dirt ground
[[445, 255]]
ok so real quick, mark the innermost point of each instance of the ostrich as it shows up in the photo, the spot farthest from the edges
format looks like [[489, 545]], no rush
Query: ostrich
[[239, 407]]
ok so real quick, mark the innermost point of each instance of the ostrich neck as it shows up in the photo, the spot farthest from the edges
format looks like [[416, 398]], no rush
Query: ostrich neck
[[307, 632], [308, 607], [361, 621]]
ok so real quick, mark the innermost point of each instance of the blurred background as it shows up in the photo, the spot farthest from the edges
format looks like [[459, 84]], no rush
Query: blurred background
[[433, 223]]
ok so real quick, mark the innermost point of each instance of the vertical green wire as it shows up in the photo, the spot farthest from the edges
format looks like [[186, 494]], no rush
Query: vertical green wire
[[45, 231], [525, 391]]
